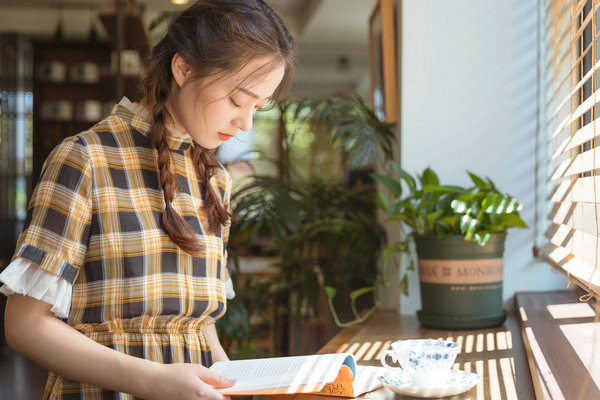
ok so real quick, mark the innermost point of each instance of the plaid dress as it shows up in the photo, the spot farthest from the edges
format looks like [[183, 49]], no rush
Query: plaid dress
[[95, 220]]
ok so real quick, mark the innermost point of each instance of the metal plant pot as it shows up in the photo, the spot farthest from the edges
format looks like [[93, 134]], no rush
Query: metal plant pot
[[461, 282]]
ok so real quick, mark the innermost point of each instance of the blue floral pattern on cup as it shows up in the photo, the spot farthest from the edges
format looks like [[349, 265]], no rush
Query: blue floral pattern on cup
[[426, 361]]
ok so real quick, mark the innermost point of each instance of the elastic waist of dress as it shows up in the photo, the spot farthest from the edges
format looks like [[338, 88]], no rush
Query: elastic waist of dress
[[146, 325]]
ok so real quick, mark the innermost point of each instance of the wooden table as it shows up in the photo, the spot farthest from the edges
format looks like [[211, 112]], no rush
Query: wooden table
[[496, 354]]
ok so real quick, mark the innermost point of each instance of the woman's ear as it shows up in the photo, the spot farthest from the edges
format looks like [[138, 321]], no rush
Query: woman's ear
[[180, 69]]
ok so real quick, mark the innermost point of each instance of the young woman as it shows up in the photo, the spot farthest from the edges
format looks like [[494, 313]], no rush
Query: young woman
[[120, 272]]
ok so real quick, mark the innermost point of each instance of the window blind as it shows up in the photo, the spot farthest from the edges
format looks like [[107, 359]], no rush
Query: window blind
[[572, 113]]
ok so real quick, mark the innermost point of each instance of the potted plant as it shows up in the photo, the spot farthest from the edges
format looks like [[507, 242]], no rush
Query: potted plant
[[325, 233], [459, 233]]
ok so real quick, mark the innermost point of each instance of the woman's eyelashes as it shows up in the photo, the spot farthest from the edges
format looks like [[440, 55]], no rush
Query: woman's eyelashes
[[257, 107]]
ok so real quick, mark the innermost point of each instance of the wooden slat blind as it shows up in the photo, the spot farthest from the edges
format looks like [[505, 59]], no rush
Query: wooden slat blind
[[572, 73]]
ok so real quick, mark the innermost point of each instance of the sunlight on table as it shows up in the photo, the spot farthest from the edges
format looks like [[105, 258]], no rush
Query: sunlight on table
[[498, 372]]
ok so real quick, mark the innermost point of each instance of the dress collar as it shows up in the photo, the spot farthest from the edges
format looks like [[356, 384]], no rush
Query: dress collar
[[125, 110]]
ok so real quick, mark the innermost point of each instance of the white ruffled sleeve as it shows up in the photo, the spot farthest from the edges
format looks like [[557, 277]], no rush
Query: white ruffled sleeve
[[24, 277], [229, 290]]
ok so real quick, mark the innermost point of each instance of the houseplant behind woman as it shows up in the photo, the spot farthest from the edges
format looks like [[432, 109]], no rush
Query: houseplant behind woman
[[459, 234]]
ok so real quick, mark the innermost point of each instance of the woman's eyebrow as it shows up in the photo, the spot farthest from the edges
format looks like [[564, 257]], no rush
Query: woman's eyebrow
[[249, 93]]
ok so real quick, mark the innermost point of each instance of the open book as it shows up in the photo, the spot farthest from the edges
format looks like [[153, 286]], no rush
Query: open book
[[324, 374]]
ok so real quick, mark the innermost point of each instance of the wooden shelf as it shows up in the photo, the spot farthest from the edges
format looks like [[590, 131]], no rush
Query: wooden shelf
[[50, 132], [134, 34], [103, 80]]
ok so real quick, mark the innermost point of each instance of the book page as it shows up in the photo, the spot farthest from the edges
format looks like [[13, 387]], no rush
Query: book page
[[366, 379], [277, 372]]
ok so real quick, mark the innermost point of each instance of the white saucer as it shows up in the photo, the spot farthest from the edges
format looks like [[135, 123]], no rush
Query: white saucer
[[458, 382]]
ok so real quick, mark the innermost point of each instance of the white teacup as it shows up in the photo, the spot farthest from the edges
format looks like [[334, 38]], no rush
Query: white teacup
[[426, 361]]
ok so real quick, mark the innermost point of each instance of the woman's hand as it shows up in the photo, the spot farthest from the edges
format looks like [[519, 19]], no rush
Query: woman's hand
[[34, 331], [186, 382]]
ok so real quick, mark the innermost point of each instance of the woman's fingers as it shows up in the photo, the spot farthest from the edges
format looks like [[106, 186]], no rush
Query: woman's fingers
[[185, 381], [214, 379]]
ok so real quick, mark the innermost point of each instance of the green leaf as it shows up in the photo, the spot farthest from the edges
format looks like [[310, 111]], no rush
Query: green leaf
[[432, 218], [468, 225], [491, 184], [451, 220], [410, 181], [382, 202], [359, 292], [398, 247], [460, 207], [468, 197], [482, 238], [511, 220], [358, 154], [480, 183], [345, 131], [500, 204], [403, 286], [437, 189], [441, 229], [397, 217], [429, 178], [393, 185], [347, 144], [457, 189]]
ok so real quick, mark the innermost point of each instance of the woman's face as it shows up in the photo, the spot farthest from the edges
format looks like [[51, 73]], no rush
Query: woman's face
[[213, 112]]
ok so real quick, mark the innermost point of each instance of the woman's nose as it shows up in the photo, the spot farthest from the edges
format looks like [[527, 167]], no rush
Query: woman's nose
[[244, 120]]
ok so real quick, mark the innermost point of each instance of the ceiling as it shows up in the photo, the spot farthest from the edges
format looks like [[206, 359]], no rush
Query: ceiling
[[325, 31], [340, 20]]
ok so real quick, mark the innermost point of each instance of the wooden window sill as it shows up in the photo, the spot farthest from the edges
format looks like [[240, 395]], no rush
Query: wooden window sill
[[562, 341]]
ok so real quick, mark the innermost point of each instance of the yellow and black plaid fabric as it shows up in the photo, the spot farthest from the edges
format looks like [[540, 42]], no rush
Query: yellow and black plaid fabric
[[95, 220]]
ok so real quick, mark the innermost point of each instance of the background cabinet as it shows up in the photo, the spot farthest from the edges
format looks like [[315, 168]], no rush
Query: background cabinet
[[74, 87]]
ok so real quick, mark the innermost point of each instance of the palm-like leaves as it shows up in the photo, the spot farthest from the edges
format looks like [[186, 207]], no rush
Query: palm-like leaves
[[353, 127]]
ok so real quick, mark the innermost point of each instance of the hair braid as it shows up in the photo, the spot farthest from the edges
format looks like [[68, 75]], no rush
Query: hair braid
[[180, 232], [206, 163]]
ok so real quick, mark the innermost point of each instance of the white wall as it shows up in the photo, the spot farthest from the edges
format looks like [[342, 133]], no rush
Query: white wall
[[468, 102]]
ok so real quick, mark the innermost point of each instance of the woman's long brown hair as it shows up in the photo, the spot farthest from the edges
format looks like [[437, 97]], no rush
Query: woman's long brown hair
[[216, 38]]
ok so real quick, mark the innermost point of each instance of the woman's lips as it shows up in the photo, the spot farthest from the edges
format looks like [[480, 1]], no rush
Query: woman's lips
[[225, 137]]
